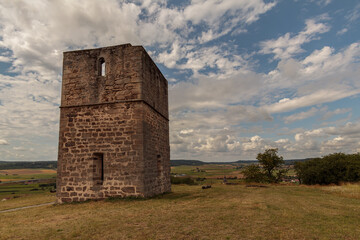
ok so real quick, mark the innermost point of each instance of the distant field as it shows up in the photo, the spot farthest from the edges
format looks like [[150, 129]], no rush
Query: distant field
[[207, 171], [25, 174]]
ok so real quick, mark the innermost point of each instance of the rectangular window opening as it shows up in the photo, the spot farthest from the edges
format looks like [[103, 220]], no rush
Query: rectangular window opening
[[159, 165], [98, 168]]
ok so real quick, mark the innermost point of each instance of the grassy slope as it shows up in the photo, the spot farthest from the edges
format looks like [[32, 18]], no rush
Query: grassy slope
[[19, 195], [222, 212]]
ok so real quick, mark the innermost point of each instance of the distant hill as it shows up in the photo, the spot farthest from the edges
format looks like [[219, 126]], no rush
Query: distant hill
[[293, 161], [245, 161], [53, 164], [180, 162], [198, 162], [19, 165], [287, 162]]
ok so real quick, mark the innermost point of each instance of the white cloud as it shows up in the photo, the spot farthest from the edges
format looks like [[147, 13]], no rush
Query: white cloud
[[342, 31], [186, 131], [253, 143], [210, 35], [321, 77], [325, 62], [344, 138], [169, 59], [316, 97], [301, 115], [60, 25], [29, 100], [321, 2], [209, 11], [216, 100], [22, 149], [349, 130], [210, 109], [309, 134], [287, 46], [289, 68], [214, 92], [338, 111], [217, 58], [326, 2], [319, 56], [354, 14], [5, 59]]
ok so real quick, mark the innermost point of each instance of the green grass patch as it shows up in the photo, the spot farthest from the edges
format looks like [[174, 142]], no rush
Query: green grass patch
[[26, 174], [21, 195], [7, 190]]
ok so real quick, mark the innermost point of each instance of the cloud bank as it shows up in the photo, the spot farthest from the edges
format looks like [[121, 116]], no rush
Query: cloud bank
[[222, 107]]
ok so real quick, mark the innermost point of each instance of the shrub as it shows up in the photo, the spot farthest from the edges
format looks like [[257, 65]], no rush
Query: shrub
[[182, 180], [253, 173], [47, 185]]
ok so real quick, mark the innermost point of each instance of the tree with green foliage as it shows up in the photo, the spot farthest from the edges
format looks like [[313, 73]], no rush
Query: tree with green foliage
[[270, 172], [270, 162], [330, 169]]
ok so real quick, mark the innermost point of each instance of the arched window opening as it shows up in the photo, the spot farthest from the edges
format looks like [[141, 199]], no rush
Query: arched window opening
[[102, 67]]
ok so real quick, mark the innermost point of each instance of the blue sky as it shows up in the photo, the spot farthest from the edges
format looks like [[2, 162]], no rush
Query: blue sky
[[244, 75]]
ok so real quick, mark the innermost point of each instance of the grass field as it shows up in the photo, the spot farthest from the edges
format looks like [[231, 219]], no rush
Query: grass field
[[26, 174], [189, 212], [283, 211]]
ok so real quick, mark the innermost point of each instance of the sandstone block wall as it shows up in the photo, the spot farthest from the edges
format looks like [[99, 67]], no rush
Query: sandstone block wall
[[114, 130]]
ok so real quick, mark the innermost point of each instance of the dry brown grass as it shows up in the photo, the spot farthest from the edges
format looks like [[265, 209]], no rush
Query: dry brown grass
[[27, 171], [221, 212], [351, 190], [8, 179], [24, 200]]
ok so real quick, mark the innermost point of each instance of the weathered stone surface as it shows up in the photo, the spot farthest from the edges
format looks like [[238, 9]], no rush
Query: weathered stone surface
[[114, 129]]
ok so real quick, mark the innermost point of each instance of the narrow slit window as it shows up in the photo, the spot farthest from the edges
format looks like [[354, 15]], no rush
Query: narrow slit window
[[98, 168], [159, 165], [102, 67]]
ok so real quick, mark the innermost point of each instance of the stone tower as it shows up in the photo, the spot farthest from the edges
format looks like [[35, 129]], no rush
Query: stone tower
[[114, 127]]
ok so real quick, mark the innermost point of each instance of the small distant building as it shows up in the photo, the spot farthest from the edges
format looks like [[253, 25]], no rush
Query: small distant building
[[114, 127]]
